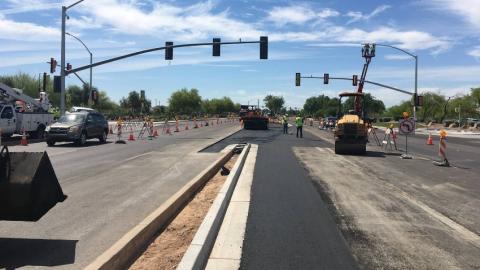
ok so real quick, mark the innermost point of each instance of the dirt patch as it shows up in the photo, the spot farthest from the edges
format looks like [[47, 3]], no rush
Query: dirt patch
[[167, 250]]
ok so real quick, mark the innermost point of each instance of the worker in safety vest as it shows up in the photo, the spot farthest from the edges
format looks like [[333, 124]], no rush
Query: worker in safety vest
[[285, 124], [299, 124]]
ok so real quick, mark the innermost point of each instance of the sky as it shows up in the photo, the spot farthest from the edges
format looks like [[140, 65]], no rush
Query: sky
[[310, 37]]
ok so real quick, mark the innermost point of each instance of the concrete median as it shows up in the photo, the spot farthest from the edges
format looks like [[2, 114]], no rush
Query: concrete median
[[129, 247]]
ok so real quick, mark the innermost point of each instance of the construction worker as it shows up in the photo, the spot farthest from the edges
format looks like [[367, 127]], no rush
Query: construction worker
[[299, 124], [285, 124]]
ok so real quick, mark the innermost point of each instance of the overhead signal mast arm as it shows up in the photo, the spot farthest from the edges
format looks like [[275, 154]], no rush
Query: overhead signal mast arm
[[169, 46]]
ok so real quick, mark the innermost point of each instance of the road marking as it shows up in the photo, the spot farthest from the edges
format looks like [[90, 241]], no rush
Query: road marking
[[463, 232], [137, 156], [227, 251]]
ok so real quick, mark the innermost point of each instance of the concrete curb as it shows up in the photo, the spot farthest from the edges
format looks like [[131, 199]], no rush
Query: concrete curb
[[124, 252], [220, 140], [198, 252]]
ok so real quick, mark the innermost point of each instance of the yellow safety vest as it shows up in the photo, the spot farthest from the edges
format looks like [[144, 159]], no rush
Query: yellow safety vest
[[299, 121]]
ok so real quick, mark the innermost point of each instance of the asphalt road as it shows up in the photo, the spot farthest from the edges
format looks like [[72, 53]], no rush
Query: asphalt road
[[111, 187], [288, 226], [312, 209], [403, 214]]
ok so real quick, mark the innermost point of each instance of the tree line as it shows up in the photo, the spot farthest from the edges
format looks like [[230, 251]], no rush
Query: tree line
[[183, 102], [436, 107]]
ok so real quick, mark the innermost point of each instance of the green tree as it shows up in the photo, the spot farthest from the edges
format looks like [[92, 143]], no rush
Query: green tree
[[372, 106], [134, 105], [219, 106], [185, 102], [274, 103]]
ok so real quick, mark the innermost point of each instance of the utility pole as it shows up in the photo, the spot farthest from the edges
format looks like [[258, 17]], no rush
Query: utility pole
[[91, 61], [62, 60], [62, 63]]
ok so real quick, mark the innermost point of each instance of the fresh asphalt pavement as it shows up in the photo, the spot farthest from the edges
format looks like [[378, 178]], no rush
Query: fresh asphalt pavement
[[288, 226], [312, 209], [111, 188]]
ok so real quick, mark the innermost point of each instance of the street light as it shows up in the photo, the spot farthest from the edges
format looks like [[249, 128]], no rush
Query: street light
[[91, 58], [416, 75], [62, 64]]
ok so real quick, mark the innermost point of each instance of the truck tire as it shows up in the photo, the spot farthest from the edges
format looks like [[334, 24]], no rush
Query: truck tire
[[50, 143]]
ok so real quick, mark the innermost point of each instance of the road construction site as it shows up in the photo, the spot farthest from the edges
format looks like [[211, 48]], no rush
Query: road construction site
[[288, 203]]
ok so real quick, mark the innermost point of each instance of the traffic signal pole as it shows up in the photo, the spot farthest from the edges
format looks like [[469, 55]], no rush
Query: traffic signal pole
[[366, 81], [62, 63], [261, 42]]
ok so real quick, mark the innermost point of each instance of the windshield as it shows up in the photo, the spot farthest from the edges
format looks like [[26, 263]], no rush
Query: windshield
[[69, 118]]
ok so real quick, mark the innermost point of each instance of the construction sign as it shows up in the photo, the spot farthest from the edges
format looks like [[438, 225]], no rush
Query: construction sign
[[406, 126]]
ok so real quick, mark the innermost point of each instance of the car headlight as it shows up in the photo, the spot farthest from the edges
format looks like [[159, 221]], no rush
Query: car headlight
[[74, 129], [47, 129]]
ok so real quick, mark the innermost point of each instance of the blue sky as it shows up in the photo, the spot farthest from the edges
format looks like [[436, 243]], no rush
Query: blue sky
[[311, 37]]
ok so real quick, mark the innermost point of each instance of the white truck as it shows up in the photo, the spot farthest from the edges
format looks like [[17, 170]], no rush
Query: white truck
[[21, 113]]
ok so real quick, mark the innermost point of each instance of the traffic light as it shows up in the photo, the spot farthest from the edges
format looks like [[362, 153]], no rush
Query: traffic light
[[263, 47], [95, 97], [419, 101], [355, 80], [57, 84], [325, 78], [168, 50], [297, 79], [216, 47], [69, 66], [53, 65]]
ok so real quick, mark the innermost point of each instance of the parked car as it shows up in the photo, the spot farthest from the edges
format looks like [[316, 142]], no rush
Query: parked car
[[78, 127]]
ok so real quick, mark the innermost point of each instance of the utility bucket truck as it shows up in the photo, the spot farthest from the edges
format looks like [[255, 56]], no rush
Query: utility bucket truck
[[21, 113], [29, 187]]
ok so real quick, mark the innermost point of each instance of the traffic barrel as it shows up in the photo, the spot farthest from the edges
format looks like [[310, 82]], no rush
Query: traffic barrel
[[442, 150]]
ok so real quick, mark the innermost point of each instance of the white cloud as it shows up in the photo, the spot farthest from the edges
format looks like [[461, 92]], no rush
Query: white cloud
[[298, 14], [193, 22], [475, 52], [469, 10], [21, 6], [397, 57], [26, 31], [357, 15], [409, 40]]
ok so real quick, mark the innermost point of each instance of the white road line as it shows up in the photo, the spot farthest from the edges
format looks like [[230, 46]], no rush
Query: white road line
[[137, 156], [227, 251]]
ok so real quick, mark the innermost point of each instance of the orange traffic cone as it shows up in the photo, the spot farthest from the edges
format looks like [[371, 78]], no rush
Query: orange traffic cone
[[131, 137], [24, 141], [429, 140]]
